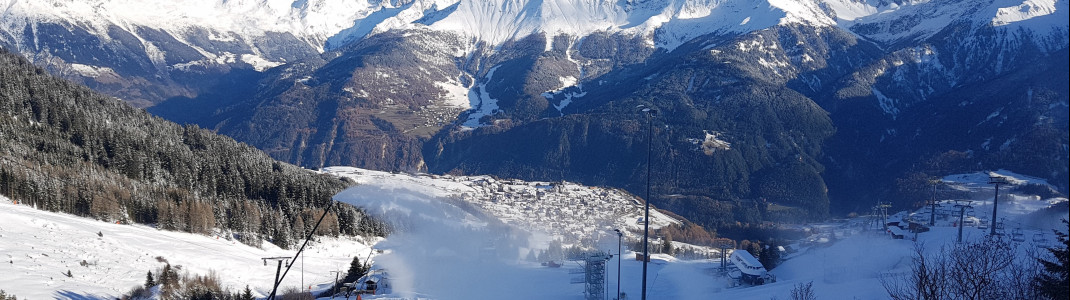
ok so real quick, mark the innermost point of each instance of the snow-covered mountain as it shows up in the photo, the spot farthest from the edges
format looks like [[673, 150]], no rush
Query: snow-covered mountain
[[150, 51], [325, 24], [807, 94]]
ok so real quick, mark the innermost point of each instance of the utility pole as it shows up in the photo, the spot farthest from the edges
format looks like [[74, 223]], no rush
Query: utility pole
[[646, 219], [302, 272], [996, 180]]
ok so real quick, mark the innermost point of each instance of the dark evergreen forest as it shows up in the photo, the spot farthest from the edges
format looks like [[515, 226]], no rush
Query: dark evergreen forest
[[65, 148]]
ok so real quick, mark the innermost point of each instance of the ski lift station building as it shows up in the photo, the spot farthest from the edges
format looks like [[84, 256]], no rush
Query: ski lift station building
[[752, 271]]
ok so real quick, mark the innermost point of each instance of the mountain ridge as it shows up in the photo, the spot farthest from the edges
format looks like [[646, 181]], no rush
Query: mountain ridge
[[819, 90]]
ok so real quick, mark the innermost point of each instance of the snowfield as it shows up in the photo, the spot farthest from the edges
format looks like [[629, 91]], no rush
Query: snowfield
[[37, 247], [843, 260], [465, 237], [326, 24]]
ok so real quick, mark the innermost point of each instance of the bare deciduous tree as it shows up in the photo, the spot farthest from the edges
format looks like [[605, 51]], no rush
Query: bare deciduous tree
[[987, 269], [803, 292]]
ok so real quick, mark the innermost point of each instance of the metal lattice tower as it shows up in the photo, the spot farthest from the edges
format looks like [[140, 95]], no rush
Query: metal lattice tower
[[595, 276]]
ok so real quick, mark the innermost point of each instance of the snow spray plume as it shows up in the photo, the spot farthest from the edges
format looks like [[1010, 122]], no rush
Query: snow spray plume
[[444, 248]]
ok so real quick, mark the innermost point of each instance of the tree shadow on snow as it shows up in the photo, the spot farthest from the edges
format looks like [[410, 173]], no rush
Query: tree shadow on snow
[[65, 294]]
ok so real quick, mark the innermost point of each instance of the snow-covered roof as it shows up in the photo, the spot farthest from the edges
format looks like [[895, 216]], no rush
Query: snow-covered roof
[[747, 263]]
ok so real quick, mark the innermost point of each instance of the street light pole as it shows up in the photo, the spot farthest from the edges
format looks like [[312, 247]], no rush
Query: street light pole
[[646, 218], [620, 236]]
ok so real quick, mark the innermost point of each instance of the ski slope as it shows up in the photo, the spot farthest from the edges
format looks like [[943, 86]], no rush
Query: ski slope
[[442, 251], [37, 247], [843, 260]]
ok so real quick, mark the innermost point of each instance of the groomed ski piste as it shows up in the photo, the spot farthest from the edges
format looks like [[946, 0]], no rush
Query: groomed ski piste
[[442, 254]]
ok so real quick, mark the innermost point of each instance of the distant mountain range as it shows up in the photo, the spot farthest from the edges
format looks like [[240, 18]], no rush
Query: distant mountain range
[[767, 110]]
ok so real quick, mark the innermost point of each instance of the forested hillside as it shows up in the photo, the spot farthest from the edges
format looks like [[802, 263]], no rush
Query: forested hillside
[[66, 148]]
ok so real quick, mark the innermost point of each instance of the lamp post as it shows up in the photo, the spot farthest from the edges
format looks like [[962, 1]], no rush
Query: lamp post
[[620, 236], [646, 219]]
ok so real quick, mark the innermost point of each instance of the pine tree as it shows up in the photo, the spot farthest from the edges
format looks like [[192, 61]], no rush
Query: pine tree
[[168, 281], [667, 246], [769, 256], [555, 251], [356, 270], [149, 281], [247, 294], [1053, 282]]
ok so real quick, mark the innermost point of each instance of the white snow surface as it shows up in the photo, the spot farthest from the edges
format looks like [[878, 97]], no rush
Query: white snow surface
[[441, 250], [314, 20], [448, 221], [480, 101], [36, 246], [922, 18], [668, 23], [561, 209], [843, 260]]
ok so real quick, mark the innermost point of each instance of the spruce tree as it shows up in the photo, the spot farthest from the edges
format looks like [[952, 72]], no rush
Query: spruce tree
[[247, 294], [667, 246], [1053, 282], [769, 256], [149, 281], [531, 256], [356, 270]]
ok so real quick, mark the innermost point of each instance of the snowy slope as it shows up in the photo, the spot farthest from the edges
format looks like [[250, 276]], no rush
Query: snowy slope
[[314, 20], [37, 246], [444, 248], [563, 210], [917, 20], [322, 22], [843, 260]]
